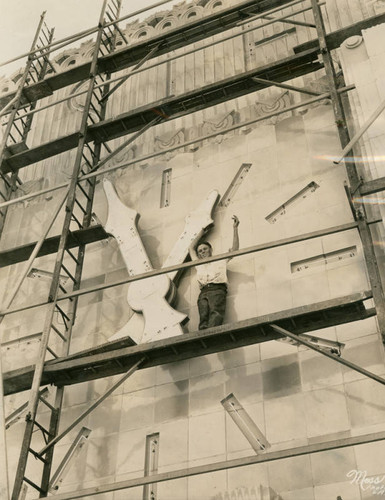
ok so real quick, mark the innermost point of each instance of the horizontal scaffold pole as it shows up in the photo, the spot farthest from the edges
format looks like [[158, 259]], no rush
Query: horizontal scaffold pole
[[174, 148], [187, 265], [116, 357], [225, 465], [173, 39], [137, 69], [81, 34]]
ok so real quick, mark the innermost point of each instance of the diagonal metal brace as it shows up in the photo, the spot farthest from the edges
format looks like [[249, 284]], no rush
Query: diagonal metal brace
[[287, 21], [133, 138], [140, 63], [344, 362], [303, 90], [104, 396]]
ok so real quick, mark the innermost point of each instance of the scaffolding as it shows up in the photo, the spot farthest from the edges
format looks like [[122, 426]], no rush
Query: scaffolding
[[93, 152]]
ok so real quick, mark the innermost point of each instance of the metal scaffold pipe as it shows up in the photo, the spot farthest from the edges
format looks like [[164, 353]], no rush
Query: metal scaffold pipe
[[23, 79], [81, 34], [187, 265], [173, 148], [159, 63]]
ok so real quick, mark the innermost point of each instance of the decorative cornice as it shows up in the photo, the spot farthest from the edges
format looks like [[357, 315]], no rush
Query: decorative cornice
[[159, 22]]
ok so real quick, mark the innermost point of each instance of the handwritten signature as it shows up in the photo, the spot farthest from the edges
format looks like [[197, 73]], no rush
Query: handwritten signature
[[375, 484]]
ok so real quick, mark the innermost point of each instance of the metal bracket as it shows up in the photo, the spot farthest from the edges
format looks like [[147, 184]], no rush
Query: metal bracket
[[67, 462], [245, 423], [356, 209], [16, 415]]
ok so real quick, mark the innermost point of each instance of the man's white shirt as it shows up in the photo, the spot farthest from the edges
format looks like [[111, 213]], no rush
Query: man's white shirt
[[213, 272]]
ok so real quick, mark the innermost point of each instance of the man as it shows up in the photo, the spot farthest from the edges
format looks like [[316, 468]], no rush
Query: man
[[212, 279]]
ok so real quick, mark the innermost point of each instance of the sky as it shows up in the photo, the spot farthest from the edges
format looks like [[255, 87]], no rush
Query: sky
[[19, 20]]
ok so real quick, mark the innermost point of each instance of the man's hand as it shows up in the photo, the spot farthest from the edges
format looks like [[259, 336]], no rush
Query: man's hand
[[235, 234]]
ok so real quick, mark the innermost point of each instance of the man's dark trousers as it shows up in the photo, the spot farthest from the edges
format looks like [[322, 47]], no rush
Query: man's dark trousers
[[212, 305]]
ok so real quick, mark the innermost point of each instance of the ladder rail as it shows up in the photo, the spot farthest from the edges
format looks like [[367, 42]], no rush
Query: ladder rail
[[88, 191], [14, 107], [73, 191], [20, 90], [41, 74], [54, 288], [23, 128]]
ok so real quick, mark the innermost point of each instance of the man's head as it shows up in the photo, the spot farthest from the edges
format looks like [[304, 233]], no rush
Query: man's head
[[204, 250]]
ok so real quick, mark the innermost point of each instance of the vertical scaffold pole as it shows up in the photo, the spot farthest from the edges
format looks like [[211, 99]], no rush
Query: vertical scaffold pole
[[86, 222], [4, 486], [19, 92], [354, 180], [53, 307]]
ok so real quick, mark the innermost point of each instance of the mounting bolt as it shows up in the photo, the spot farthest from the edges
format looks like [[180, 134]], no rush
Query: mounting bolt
[[360, 214]]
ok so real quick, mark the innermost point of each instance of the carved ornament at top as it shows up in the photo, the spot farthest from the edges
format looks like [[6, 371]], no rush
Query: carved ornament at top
[[134, 32]]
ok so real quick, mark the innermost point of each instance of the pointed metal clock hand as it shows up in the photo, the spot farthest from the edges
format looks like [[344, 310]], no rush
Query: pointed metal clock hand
[[145, 296], [198, 221]]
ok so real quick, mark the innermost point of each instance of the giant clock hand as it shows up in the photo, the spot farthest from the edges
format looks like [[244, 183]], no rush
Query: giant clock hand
[[145, 296], [197, 222]]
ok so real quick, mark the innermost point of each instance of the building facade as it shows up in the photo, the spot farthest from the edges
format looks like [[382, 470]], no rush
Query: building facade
[[269, 153]]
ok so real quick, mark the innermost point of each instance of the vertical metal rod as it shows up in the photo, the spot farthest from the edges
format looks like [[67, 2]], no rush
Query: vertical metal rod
[[4, 486], [87, 217], [34, 253], [22, 82], [53, 293], [354, 180]]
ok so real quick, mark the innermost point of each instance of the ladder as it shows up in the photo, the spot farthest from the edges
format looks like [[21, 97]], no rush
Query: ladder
[[18, 126], [59, 321]]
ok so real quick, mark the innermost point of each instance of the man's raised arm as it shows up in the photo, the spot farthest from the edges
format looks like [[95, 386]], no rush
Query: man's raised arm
[[235, 234]]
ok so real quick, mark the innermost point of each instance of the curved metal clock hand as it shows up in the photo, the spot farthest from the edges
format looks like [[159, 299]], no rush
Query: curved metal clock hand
[[121, 223], [145, 296]]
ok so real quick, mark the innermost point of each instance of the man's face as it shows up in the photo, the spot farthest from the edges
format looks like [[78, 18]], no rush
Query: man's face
[[204, 251]]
